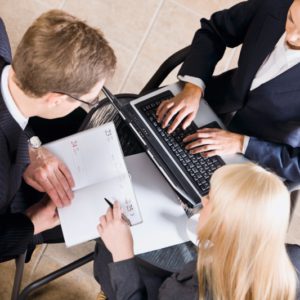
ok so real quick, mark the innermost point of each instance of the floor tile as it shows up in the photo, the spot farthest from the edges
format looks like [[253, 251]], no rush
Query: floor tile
[[18, 15], [122, 21], [173, 29]]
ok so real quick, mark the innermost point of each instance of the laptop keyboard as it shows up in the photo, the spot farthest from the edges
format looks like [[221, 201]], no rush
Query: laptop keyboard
[[196, 167]]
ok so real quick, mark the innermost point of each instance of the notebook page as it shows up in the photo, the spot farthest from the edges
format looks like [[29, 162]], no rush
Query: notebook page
[[92, 155]]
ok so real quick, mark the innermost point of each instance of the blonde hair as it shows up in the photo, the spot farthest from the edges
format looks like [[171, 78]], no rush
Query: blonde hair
[[246, 258], [59, 52]]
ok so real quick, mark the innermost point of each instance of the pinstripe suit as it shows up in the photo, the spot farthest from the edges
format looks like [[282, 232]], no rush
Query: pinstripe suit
[[16, 230]]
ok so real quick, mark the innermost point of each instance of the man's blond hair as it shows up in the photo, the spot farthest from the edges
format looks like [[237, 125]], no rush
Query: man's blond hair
[[59, 52]]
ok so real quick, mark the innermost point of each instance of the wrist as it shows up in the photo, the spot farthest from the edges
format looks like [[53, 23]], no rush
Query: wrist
[[122, 256], [241, 143], [193, 89]]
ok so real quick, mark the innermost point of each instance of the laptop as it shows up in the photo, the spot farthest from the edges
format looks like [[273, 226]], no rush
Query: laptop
[[188, 174]]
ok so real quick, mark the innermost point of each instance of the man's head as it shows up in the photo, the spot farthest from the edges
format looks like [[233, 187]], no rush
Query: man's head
[[61, 53], [292, 26]]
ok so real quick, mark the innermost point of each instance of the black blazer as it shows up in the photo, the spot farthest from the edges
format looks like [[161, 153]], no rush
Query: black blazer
[[16, 230], [257, 25]]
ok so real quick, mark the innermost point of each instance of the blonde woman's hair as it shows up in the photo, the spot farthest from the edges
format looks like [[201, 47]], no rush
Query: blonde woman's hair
[[245, 258]]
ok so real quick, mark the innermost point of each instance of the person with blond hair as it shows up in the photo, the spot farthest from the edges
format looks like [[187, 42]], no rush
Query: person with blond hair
[[241, 250]]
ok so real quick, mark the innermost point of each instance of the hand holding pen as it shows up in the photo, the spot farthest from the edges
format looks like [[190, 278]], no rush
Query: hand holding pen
[[116, 233], [124, 218]]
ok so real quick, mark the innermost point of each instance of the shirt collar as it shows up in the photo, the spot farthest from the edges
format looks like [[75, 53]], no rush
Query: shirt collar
[[9, 101]]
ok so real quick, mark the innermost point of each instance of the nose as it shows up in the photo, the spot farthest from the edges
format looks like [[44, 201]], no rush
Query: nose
[[292, 37]]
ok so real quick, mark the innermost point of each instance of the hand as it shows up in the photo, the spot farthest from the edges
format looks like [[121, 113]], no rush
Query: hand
[[43, 215], [185, 106], [46, 173], [116, 234], [214, 141]]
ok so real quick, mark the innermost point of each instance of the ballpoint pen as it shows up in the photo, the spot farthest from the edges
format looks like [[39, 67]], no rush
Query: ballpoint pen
[[122, 215]]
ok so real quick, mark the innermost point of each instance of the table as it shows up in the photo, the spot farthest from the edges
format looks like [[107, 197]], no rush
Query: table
[[170, 259]]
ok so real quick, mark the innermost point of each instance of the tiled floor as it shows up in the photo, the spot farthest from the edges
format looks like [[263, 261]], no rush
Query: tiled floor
[[143, 34]]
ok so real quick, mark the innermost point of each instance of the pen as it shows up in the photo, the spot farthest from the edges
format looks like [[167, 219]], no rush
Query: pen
[[123, 216]]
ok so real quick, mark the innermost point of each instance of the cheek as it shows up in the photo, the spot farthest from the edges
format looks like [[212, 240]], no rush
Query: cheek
[[204, 216]]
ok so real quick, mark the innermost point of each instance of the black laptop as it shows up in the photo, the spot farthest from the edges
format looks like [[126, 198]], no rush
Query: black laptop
[[188, 174]]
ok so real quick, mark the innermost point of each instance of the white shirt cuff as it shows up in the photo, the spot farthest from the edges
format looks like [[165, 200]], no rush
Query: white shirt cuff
[[194, 80], [245, 144]]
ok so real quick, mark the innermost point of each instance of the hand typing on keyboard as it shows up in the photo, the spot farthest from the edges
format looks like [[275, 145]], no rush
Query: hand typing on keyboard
[[181, 108], [214, 141]]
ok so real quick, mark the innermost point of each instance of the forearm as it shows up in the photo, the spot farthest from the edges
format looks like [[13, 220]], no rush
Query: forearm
[[16, 232], [226, 28], [126, 280]]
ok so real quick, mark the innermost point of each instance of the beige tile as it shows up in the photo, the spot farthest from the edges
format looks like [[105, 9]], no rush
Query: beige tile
[[173, 30], [203, 8], [122, 21], [227, 3], [52, 3], [63, 255], [7, 273], [74, 285], [124, 59], [19, 14]]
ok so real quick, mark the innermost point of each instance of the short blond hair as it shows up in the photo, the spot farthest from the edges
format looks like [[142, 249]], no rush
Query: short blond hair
[[247, 259], [59, 52]]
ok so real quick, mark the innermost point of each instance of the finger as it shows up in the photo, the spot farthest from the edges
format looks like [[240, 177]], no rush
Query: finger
[[212, 153], [161, 107], [170, 114], [100, 229], [65, 185], [103, 221], [164, 110], [198, 135], [117, 213], [188, 120], [66, 172], [200, 142], [180, 116], [51, 191], [209, 130], [56, 220], [57, 185], [109, 215], [205, 148]]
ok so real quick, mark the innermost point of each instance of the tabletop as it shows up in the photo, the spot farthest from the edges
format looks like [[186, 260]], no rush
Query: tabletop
[[170, 259]]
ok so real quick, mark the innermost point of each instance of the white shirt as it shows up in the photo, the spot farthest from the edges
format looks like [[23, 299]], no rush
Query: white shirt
[[280, 60], [9, 101]]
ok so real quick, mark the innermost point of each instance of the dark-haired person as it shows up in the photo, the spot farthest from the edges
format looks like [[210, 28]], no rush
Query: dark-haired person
[[262, 93], [59, 61]]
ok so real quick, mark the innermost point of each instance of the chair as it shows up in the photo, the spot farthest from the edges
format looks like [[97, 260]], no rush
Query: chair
[[108, 114]]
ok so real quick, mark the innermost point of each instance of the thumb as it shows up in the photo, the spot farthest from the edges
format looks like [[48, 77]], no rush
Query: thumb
[[56, 220]]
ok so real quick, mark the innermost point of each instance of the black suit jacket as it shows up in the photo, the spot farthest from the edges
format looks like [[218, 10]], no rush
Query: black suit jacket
[[16, 230], [257, 25]]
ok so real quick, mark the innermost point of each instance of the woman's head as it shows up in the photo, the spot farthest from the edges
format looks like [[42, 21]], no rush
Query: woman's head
[[247, 214]]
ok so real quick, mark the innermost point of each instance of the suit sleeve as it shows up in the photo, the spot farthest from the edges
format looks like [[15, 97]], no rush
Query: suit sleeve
[[126, 280], [16, 232], [226, 28], [284, 160], [5, 50]]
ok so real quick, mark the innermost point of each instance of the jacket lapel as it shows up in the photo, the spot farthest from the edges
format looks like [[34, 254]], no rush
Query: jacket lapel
[[272, 29]]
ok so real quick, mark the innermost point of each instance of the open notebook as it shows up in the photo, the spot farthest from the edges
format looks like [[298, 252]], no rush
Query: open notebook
[[96, 161]]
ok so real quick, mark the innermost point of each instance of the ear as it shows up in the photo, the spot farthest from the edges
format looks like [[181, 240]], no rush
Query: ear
[[53, 99]]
